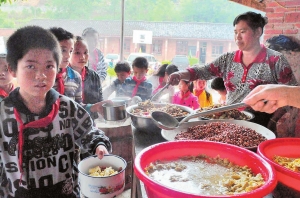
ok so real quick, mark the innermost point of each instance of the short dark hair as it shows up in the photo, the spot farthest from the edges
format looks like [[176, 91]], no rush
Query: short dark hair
[[122, 66], [254, 20], [171, 69], [218, 84], [89, 30], [78, 38], [161, 70], [28, 38], [61, 34], [140, 62]]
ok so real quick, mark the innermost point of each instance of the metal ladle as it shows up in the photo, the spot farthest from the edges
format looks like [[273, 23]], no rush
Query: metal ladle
[[159, 92], [166, 121]]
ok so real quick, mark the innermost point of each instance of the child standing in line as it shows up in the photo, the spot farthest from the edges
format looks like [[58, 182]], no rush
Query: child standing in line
[[38, 126], [217, 84], [122, 70], [204, 97], [159, 80], [96, 58], [6, 79], [138, 85], [90, 80], [68, 81], [185, 96]]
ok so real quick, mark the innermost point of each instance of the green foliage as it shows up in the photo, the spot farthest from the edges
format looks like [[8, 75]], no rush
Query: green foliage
[[5, 22], [193, 60], [216, 11], [166, 62], [6, 1]]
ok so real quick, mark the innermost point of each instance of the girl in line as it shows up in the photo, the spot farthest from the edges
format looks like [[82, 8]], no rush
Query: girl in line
[[185, 95]]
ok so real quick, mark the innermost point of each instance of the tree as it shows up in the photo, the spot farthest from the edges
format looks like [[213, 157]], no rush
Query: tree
[[213, 11], [6, 1]]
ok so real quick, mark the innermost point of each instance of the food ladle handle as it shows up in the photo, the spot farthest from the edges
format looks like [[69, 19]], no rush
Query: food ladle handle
[[212, 111]]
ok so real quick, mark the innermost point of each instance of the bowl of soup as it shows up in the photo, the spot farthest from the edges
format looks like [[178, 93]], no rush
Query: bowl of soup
[[183, 176]]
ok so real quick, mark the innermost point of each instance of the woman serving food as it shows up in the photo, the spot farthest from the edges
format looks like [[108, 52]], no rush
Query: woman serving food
[[251, 65]]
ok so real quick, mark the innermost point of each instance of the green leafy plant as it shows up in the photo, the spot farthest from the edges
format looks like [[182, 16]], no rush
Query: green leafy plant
[[165, 62], [193, 60]]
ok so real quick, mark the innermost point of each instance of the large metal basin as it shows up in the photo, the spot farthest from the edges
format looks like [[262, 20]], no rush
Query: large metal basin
[[146, 124]]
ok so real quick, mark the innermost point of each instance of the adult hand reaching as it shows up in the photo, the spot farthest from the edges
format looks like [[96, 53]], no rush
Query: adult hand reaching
[[175, 77], [276, 95]]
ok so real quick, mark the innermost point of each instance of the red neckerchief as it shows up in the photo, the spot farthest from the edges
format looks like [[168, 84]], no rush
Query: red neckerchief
[[60, 80], [83, 75], [161, 85], [138, 82], [3, 93], [183, 95], [43, 122], [197, 92]]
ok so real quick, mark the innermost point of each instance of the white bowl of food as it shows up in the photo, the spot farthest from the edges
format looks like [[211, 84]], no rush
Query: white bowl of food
[[103, 178]]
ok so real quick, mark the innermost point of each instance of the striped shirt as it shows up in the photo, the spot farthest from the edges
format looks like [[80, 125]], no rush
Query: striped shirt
[[101, 66], [72, 83]]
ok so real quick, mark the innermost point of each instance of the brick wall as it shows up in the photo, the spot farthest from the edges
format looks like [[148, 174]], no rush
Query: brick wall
[[283, 17]]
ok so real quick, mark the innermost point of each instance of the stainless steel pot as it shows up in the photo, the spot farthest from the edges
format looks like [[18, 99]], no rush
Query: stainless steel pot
[[114, 111], [127, 100], [146, 124]]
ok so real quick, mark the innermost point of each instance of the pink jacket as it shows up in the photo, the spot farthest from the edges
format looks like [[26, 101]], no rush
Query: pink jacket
[[191, 101]]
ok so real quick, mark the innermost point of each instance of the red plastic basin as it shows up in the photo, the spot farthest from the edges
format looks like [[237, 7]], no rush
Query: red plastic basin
[[285, 147], [173, 150]]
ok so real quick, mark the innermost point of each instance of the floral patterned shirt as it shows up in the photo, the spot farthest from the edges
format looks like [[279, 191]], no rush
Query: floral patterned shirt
[[269, 67]]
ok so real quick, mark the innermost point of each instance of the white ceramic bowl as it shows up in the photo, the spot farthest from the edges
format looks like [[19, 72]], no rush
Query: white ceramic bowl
[[101, 187]]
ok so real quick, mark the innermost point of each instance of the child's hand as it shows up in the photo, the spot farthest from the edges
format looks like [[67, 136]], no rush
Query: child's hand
[[101, 151], [97, 107]]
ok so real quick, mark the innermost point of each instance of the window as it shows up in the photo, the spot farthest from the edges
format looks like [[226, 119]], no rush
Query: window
[[217, 50], [181, 47], [157, 47], [126, 45]]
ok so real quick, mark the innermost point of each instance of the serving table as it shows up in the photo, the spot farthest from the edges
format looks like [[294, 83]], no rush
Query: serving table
[[125, 136], [141, 140]]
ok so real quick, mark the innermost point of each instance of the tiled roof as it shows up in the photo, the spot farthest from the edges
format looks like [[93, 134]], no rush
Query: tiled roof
[[219, 31]]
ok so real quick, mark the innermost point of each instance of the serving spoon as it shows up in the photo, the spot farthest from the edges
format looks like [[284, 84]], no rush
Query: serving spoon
[[159, 92], [166, 121]]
